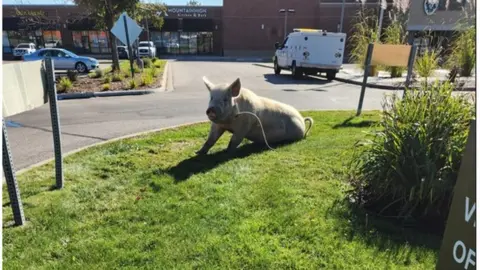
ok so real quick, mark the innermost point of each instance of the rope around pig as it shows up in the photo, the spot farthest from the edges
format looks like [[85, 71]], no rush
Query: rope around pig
[[261, 126]]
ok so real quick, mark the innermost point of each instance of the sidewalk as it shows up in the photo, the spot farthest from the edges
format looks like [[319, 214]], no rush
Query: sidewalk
[[352, 74], [193, 58]]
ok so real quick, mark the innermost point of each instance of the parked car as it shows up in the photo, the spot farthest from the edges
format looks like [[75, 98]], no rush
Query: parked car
[[22, 49], [147, 48], [64, 59], [122, 52]]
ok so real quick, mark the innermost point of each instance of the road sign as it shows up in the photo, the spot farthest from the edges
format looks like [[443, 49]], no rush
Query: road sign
[[133, 29]]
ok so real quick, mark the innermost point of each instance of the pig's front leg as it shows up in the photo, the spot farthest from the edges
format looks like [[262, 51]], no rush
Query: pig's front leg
[[215, 133], [236, 139]]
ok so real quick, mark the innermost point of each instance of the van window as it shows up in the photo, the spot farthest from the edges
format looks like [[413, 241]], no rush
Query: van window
[[284, 43]]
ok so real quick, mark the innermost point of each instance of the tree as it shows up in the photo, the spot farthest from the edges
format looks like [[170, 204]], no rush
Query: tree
[[193, 3], [106, 12]]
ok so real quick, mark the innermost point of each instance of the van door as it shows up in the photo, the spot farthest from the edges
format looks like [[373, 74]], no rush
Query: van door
[[282, 53]]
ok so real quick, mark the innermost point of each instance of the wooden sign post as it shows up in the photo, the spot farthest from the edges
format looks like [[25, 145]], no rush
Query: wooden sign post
[[458, 249]]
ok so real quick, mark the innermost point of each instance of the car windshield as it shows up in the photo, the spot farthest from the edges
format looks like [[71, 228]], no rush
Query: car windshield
[[70, 53], [23, 46], [146, 44]]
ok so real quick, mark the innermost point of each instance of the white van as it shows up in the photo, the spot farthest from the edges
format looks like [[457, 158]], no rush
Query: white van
[[310, 51]]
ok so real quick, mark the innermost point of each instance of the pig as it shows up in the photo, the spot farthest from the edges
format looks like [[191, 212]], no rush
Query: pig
[[281, 122]]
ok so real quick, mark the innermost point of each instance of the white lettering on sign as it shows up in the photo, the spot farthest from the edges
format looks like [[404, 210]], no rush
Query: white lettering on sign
[[467, 258], [469, 211], [189, 12]]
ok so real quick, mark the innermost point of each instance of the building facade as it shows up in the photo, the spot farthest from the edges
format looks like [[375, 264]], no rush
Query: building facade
[[439, 19], [238, 28], [253, 27], [186, 30]]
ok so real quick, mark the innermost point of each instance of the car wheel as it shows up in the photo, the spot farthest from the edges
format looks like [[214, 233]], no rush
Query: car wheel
[[276, 68], [81, 67], [296, 72], [331, 75]]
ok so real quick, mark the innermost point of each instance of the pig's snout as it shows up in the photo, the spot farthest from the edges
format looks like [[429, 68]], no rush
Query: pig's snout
[[211, 113]]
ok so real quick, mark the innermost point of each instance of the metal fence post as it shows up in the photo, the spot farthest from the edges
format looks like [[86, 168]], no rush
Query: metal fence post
[[365, 77], [12, 186], [411, 62], [57, 145]]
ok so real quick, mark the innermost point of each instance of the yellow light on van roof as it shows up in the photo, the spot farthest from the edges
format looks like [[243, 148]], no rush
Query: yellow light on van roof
[[307, 30]]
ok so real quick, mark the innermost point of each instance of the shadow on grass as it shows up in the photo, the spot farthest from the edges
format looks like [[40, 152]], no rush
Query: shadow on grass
[[387, 235], [200, 164], [349, 122]]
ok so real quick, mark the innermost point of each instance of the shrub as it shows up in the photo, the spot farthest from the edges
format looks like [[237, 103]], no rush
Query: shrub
[[395, 34], [107, 79], [132, 84], [72, 75], [427, 63], [153, 71], [154, 59], [105, 87], [136, 69], [364, 32], [117, 77], [409, 167], [147, 79], [98, 73], [147, 63], [64, 84], [463, 52]]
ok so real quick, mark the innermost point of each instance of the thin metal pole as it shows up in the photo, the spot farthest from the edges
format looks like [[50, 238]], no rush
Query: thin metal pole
[[411, 61], [342, 16], [285, 26], [380, 21], [129, 46], [365, 77], [57, 142], [12, 186]]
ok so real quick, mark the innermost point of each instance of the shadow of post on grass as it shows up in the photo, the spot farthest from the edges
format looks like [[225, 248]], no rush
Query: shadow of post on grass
[[357, 122]]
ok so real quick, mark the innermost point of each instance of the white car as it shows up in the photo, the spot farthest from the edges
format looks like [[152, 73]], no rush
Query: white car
[[22, 49], [310, 51], [147, 48]]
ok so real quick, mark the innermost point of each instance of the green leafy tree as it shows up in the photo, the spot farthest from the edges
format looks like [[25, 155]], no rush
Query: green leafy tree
[[150, 13]]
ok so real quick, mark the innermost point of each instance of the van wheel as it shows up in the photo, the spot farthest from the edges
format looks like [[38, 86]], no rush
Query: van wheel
[[331, 75], [276, 68], [296, 72]]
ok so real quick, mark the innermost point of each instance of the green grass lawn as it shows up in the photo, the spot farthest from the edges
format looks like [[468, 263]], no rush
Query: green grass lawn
[[149, 203]]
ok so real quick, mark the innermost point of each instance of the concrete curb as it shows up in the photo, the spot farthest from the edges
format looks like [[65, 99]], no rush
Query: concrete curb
[[129, 136], [391, 87], [84, 95]]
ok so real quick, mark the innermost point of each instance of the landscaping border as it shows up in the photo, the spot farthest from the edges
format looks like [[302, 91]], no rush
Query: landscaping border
[[129, 136], [83, 95], [391, 87]]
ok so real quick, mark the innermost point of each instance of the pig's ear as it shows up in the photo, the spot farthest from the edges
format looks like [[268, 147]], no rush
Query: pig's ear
[[235, 87], [207, 83]]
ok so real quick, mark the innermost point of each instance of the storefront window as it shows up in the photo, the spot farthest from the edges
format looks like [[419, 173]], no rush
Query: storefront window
[[52, 38], [98, 42]]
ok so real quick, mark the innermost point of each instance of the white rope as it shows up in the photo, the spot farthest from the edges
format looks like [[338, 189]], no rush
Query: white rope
[[260, 122]]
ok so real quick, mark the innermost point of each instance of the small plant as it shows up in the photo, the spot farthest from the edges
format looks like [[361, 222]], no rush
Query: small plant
[[117, 77], [154, 59], [136, 69], [98, 73], [64, 84], [462, 54], [72, 75], [132, 84], [426, 64], [409, 166], [105, 87], [147, 62], [364, 32], [147, 79], [107, 79], [153, 71]]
